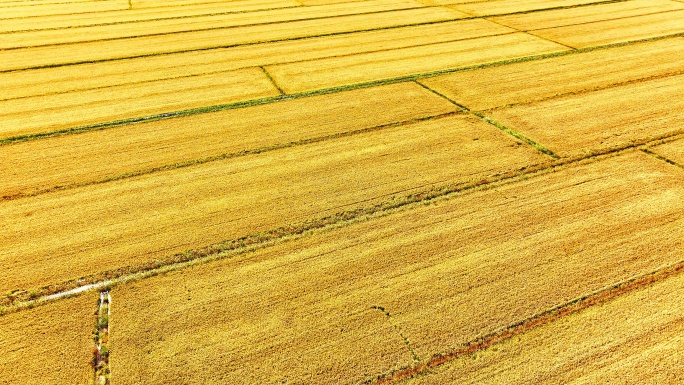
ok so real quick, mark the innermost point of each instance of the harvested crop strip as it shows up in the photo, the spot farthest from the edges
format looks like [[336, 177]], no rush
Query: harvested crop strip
[[354, 69], [48, 344]]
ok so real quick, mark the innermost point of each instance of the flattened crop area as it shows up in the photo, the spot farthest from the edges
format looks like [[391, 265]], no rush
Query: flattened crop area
[[341, 192]]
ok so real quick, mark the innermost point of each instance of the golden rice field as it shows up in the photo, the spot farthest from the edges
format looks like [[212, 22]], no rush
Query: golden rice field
[[341, 192]]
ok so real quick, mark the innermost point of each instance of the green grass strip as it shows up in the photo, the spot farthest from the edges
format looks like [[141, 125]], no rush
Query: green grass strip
[[516, 135]]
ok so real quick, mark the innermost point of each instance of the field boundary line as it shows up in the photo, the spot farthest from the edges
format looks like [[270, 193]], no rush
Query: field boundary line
[[516, 135], [441, 95], [149, 118], [551, 40], [494, 123], [662, 158], [270, 78], [295, 39], [262, 66], [224, 156], [527, 33], [595, 298]]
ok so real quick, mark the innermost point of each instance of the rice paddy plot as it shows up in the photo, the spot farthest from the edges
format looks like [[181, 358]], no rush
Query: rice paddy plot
[[616, 31], [84, 52], [49, 344], [376, 66], [526, 82], [589, 14], [72, 160], [112, 73], [60, 112], [602, 120], [441, 275], [150, 218], [196, 23], [635, 339]]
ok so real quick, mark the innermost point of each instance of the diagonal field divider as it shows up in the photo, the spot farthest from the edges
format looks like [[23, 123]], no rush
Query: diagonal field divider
[[494, 123], [396, 327], [663, 158], [516, 135]]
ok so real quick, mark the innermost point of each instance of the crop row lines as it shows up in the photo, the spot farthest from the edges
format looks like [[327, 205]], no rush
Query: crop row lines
[[143, 20], [545, 317], [331, 90], [229, 27], [586, 90], [320, 18], [223, 156], [295, 38], [23, 299]]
